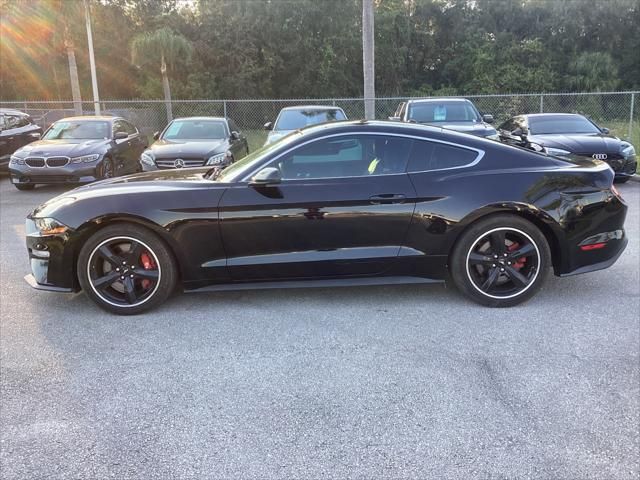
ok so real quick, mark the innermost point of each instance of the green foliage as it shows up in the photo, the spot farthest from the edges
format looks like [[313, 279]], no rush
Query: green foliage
[[312, 48]]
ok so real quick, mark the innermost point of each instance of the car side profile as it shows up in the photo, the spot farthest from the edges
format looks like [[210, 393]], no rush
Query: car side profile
[[291, 119], [16, 130], [78, 150], [194, 142], [345, 203], [457, 114], [572, 135]]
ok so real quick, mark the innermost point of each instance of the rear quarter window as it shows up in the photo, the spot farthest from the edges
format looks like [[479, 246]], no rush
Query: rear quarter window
[[427, 156]]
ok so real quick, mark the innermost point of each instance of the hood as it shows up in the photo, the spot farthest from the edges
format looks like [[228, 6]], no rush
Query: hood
[[63, 147], [580, 143], [276, 135], [479, 129], [180, 149], [145, 183]]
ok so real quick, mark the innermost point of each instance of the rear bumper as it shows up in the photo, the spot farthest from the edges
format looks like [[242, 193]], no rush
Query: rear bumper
[[610, 254]]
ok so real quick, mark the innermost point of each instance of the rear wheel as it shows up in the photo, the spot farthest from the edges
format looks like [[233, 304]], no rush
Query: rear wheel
[[24, 186], [501, 261], [126, 269]]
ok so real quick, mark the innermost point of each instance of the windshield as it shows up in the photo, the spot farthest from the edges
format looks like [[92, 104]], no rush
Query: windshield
[[435, 112], [561, 124], [79, 130], [195, 130], [295, 119], [238, 170]]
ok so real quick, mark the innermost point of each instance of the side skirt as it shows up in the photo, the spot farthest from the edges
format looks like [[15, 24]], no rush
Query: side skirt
[[322, 283]]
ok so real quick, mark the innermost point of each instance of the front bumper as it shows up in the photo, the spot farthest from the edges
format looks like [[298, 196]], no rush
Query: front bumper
[[73, 173], [52, 260]]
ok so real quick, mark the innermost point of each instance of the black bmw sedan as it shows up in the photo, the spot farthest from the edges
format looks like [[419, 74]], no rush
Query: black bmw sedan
[[78, 150], [346, 203], [16, 130], [194, 142], [571, 135]]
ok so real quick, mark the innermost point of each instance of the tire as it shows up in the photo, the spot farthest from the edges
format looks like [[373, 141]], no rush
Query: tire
[[621, 180], [106, 169], [500, 261], [123, 281], [24, 186]]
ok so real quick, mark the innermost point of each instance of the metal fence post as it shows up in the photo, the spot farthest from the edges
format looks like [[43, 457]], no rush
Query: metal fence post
[[541, 103], [633, 100], [224, 107]]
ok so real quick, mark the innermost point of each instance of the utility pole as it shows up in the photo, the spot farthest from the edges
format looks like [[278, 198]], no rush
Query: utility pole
[[92, 60], [368, 60]]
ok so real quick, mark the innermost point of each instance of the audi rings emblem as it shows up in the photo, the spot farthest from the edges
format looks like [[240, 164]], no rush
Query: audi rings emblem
[[179, 163], [599, 156]]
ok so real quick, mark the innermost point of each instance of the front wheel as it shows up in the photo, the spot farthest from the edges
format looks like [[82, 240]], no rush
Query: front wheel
[[106, 169], [501, 261], [126, 269]]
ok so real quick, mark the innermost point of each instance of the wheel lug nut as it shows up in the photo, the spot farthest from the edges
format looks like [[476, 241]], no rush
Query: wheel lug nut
[[502, 269], [493, 265], [121, 277], [131, 275], [117, 269]]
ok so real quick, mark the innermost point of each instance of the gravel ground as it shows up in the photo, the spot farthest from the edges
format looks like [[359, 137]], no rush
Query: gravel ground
[[399, 381]]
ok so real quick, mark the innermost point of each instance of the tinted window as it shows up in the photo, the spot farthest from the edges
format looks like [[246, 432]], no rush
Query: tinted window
[[78, 130], [232, 126], [347, 156], [435, 112], [295, 119], [195, 130], [509, 126], [427, 156], [119, 126], [129, 128], [16, 121], [561, 124]]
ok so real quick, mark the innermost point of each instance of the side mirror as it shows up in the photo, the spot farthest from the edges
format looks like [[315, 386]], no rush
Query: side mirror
[[121, 135], [487, 118], [235, 135], [156, 135], [268, 126], [520, 132], [266, 176], [606, 131]]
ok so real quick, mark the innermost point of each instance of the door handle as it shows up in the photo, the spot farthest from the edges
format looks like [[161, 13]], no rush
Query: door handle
[[387, 198]]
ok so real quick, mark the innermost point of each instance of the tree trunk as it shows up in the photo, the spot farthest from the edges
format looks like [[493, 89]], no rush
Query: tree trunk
[[368, 60], [166, 88], [73, 72]]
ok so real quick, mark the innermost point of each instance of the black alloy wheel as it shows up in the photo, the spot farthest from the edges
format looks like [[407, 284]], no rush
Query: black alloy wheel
[[501, 262], [126, 269]]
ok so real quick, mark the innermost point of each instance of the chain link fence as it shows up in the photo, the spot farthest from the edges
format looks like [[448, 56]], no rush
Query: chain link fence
[[617, 111]]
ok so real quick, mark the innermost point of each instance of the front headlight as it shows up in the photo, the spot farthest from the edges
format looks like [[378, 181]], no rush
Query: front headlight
[[49, 226], [147, 158], [218, 159], [86, 158], [627, 150], [13, 160], [556, 152]]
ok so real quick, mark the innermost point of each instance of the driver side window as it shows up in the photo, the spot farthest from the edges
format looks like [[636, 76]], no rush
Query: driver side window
[[346, 156]]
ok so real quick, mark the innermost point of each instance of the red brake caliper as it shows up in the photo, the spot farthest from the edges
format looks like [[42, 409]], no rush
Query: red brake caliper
[[522, 260], [148, 264]]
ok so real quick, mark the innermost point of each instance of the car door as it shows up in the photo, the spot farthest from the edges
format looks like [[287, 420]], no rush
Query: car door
[[135, 146], [121, 150], [238, 146], [342, 208]]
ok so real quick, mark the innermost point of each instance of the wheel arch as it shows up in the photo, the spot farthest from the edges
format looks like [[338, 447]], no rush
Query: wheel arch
[[93, 226], [540, 219]]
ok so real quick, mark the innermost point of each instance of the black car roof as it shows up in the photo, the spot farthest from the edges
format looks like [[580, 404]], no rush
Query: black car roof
[[11, 111]]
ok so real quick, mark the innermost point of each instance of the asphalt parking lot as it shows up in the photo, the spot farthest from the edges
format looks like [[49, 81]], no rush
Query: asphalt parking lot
[[399, 381]]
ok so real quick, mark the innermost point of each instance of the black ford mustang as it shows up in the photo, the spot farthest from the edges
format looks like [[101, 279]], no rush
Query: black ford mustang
[[345, 203], [571, 135]]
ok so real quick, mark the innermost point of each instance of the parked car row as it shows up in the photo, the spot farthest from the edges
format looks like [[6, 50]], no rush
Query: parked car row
[[88, 148]]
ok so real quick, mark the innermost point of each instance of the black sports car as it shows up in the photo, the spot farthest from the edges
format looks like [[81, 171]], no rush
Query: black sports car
[[16, 130], [353, 203], [78, 150], [571, 135], [194, 142]]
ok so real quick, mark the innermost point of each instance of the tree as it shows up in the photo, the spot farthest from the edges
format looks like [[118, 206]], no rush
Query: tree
[[165, 47]]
